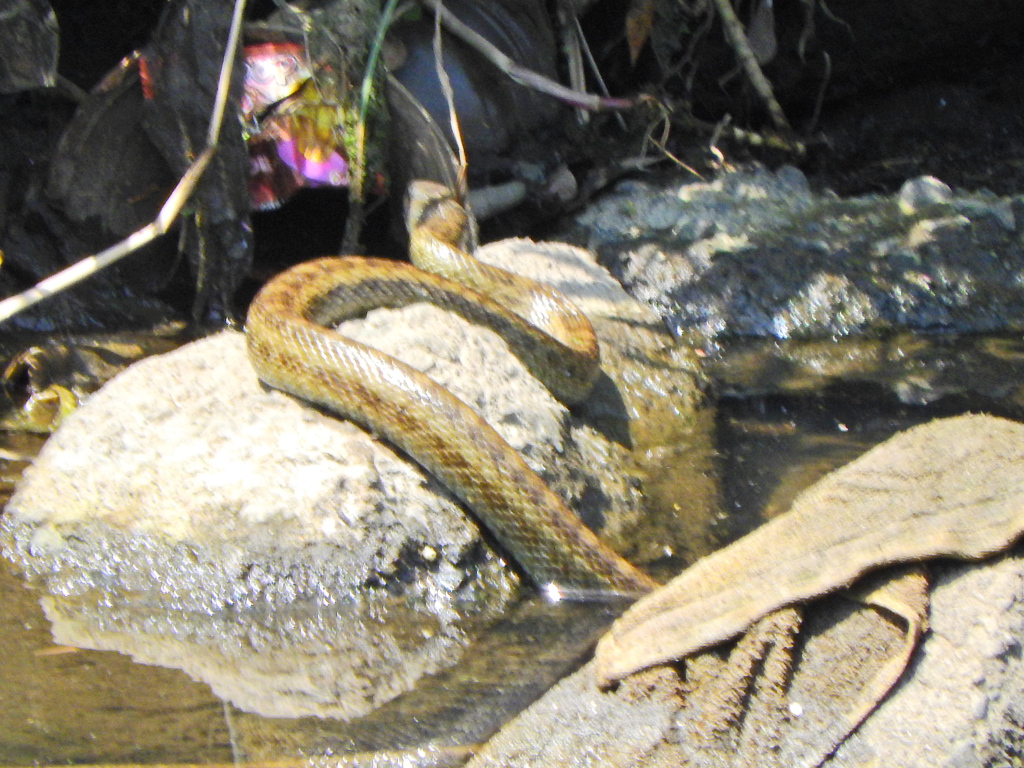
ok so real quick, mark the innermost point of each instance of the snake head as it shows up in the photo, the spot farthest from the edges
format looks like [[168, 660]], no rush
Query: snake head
[[433, 209]]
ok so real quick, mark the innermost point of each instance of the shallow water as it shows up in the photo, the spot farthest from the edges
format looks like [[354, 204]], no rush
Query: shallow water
[[64, 705]]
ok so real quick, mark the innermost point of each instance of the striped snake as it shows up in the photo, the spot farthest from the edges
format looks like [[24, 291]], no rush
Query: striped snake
[[292, 349]]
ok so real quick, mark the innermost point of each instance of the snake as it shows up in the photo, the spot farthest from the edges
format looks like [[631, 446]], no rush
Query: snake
[[293, 347]]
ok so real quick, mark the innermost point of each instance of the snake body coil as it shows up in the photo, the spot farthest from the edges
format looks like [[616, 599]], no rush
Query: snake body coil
[[292, 350]]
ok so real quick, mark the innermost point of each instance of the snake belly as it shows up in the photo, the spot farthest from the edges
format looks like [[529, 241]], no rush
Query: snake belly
[[292, 349]]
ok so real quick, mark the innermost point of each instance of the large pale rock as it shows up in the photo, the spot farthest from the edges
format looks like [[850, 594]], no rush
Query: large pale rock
[[189, 516]]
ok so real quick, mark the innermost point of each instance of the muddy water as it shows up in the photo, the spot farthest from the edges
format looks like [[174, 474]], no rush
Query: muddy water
[[62, 705]]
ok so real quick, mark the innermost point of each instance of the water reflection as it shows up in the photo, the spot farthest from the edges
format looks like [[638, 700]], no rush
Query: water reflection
[[776, 434]]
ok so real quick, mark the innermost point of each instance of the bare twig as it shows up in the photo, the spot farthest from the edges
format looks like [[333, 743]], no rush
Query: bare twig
[[462, 183], [820, 100], [572, 53], [168, 214], [664, 120], [595, 71], [520, 74]]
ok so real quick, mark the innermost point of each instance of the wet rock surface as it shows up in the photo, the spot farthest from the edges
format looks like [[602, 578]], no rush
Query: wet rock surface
[[191, 517], [757, 253]]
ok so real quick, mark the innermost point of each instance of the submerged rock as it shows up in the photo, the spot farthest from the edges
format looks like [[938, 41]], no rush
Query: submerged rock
[[191, 517]]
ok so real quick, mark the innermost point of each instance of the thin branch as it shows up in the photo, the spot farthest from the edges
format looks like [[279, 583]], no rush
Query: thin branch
[[520, 74], [461, 182], [595, 71], [224, 81]]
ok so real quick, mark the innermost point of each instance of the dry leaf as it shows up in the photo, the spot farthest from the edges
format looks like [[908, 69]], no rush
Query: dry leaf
[[639, 20], [951, 487]]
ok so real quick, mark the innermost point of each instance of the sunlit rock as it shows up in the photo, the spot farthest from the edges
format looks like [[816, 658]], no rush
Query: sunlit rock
[[755, 253], [191, 517]]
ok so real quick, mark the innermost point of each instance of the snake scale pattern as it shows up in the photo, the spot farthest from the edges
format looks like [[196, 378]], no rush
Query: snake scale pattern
[[292, 349]]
